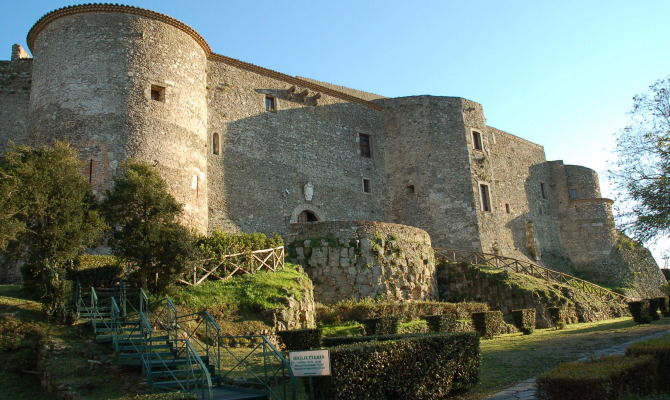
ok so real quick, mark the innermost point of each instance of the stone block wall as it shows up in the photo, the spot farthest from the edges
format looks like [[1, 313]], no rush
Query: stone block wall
[[356, 259], [15, 81]]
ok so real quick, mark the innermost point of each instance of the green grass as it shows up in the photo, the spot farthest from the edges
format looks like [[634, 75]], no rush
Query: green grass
[[511, 358], [68, 365], [349, 328]]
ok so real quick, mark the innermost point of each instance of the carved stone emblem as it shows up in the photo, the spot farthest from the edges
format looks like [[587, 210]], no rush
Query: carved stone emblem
[[308, 189]]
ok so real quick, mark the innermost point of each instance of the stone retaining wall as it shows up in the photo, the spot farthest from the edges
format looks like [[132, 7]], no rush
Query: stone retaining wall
[[356, 259]]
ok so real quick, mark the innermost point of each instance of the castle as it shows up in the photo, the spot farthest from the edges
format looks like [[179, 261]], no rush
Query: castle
[[251, 149]]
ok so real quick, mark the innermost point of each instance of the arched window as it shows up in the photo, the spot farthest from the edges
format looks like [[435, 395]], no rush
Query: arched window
[[215, 144], [307, 216]]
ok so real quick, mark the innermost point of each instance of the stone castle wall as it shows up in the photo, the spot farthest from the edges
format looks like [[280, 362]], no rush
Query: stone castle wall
[[15, 82], [356, 259], [266, 158], [92, 86], [239, 167]]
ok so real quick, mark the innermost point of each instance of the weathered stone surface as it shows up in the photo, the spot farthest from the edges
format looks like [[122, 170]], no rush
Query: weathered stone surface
[[371, 259]]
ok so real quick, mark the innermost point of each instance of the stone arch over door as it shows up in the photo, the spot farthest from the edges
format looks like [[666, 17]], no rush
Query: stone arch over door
[[306, 213]]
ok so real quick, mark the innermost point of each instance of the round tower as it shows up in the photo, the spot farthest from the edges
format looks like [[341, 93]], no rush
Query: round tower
[[121, 82]]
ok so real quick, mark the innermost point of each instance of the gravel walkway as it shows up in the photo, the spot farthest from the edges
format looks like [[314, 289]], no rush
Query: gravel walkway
[[526, 390]]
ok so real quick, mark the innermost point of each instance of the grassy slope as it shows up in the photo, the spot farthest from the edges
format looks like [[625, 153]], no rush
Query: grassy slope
[[245, 298], [512, 358], [69, 366]]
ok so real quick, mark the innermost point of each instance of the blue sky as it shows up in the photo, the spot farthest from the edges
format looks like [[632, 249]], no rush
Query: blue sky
[[558, 73]]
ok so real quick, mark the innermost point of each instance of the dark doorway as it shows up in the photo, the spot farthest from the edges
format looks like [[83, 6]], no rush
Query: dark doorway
[[307, 216]]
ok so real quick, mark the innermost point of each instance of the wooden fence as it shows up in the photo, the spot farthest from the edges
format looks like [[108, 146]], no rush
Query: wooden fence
[[527, 268], [234, 264]]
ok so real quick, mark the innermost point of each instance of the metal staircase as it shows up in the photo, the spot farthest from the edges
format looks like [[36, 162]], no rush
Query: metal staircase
[[183, 352]]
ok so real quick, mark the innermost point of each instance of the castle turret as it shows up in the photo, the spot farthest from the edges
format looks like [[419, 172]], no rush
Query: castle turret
[[121, 82]]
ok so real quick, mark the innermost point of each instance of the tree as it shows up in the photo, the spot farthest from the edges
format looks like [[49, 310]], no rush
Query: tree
[[642, 173], [146, 232], [54, 210], [10, 225]]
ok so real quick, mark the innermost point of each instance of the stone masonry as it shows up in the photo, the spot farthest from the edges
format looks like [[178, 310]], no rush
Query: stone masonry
[[245, 148], [356, 259]]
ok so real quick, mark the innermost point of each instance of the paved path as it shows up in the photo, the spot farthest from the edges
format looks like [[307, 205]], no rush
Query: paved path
[[526, 390]]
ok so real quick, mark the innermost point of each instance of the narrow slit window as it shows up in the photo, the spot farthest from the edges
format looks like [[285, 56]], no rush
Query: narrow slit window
[[573, 194], [542, 191], [270, 104], [215, 144], [477, 140], [365, 145], [366, 185], [507, 209], [485, 197], [157, 93]]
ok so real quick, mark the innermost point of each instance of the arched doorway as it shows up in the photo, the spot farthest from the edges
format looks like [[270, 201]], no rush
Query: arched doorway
[[307, 216]]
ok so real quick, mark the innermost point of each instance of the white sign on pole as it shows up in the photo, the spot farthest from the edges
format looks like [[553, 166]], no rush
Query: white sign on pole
[[310, 363]]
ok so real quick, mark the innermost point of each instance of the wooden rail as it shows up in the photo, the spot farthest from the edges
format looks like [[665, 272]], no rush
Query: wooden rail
[[233, 264], [527, 268]]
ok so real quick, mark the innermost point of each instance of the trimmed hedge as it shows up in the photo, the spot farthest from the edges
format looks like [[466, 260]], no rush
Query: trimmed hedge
[[161, 396], [562, 315], [524, 320], [420, 368], [442, 323], [660, 350], [358, 310], [663, 306], [345, 340], [96, 270], [605, 378], [640, 311], [489, 324], [300, 339], [654, 307], [381, 326]]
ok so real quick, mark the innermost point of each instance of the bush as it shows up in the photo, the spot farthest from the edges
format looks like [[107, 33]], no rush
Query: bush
[[489, 324], [660, 350], [161, 396], [300, 339], [663, 306], [654, 307], [561, 316], [442, 323], [381, 326], [421, 368], [96, 270], [358, 310], [524, 320], [345, 340], [606, 378], [640, 311]]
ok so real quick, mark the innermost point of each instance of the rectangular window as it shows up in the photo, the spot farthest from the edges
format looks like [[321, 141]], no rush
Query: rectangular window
[[365, 145], [573, 194], [507, 209], [157, 93], [477, 140], [485, 197], [410, 189], [542, 192], [366, 185], [270, 104]]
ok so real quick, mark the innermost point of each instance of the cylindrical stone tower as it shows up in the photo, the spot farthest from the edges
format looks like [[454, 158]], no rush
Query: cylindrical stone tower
[[121, 82]]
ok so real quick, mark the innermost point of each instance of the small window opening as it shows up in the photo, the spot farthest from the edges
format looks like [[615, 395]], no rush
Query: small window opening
[[477, 140], [507, 210], [307, 216], [485, 197], [573, 194], [410, 189], [542, 191], [366, 185], [270, 104], [365, 145], [215, 144], [157, 93]]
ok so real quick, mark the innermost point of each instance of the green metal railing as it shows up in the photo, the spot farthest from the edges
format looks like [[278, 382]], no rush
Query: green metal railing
[[254, 362]]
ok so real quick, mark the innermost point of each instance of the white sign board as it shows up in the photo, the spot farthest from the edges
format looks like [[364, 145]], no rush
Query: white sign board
[[310, 363]]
